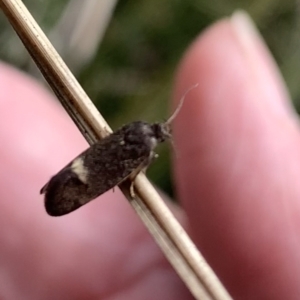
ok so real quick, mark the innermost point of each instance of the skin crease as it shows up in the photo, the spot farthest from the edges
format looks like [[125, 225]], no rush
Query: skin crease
[[236, 173]]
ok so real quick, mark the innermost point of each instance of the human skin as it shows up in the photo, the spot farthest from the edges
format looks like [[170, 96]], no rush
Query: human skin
[[236, 173]]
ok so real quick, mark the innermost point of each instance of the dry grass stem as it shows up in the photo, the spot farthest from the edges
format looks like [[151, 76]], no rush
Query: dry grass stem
[[70, 33], [167, 232]]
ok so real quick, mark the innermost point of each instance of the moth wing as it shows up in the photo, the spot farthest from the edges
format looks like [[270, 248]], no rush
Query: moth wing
[[64, 193], [95, 171], [44, 188]]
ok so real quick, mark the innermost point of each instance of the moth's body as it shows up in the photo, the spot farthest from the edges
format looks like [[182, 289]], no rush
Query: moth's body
[[104, 165], [121, 155]]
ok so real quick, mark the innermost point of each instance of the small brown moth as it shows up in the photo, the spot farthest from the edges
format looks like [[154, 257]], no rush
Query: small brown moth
[[107, 163]]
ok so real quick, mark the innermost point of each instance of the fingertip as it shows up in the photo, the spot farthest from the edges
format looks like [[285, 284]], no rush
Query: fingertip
[[237, 81], [230, 136]]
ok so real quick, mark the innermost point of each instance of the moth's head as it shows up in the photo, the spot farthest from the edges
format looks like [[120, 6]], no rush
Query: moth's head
[[162, 131]]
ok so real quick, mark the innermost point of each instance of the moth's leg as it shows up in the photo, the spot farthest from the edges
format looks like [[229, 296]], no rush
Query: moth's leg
[[132, 178], [142, 168], [131, 190], [149, 161]]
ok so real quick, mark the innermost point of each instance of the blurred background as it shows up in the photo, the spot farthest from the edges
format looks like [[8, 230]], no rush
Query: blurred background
[[125, 53]]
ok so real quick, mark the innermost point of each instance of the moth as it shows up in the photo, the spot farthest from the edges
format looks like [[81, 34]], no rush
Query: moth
[[106, 164]]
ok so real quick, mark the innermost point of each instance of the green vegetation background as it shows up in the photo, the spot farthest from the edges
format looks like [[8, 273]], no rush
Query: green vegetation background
[[131, 75]]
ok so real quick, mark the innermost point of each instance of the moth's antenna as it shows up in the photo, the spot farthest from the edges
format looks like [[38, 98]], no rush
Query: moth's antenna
[[177, 110]]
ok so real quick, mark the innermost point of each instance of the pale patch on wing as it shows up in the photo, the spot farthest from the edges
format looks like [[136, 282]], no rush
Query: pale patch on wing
[[79, 169]]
